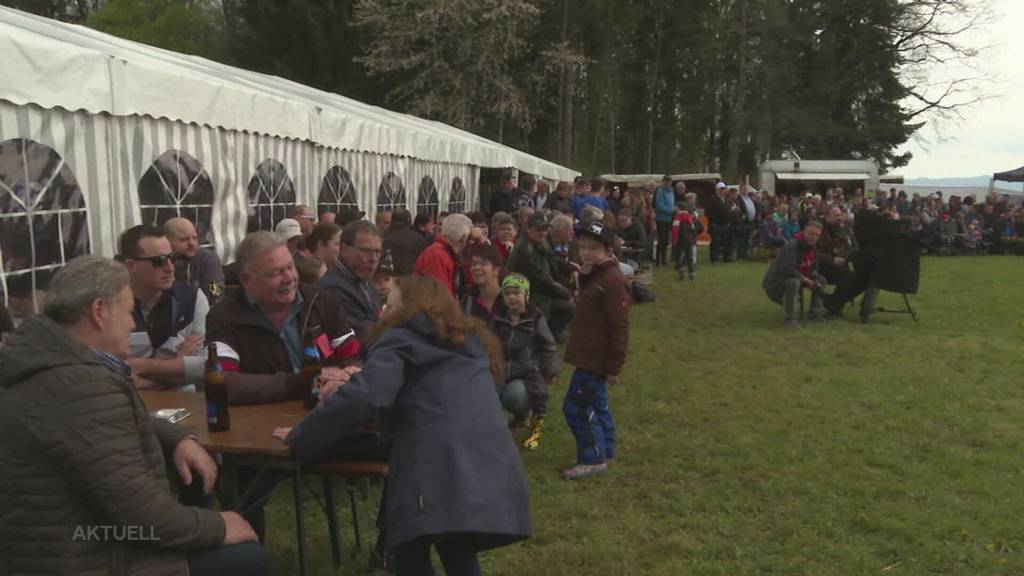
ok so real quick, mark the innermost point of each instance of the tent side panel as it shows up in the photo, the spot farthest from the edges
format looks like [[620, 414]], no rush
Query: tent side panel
[[109, 157]]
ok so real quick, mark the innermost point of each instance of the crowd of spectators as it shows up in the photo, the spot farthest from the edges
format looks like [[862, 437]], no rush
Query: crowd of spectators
[[398, 313], [393, 309], [950, 225]]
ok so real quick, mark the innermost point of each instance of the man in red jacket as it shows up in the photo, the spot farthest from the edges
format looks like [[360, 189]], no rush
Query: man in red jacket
[[442, 260]]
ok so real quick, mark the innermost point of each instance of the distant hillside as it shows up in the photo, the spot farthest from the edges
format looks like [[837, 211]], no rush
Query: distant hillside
[[965, 181]]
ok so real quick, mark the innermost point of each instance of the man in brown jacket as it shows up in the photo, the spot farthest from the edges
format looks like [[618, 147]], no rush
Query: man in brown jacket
[[597, 343], [260, 332], [82, 469]]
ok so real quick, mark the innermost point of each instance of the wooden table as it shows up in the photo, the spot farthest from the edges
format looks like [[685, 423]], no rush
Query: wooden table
[[250, 442], [251, 426]]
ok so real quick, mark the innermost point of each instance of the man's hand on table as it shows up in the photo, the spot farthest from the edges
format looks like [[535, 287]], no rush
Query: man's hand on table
[[332, 378], [189, 456], [190, 345]]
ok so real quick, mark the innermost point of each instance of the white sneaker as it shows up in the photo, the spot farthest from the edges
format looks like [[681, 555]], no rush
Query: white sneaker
[[581, 471]]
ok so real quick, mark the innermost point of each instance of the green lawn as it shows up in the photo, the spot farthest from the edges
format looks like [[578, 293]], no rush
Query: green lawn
[[889, 448]]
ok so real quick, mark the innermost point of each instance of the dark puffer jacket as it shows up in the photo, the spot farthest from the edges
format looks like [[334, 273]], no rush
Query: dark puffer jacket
[[79, 450], [528, 346]]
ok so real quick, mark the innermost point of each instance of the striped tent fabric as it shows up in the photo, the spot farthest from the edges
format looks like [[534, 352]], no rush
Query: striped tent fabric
[[130, 134], [110, 155]]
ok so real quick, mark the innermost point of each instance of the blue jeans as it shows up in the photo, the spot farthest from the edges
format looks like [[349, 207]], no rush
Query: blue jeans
[[586, 413]]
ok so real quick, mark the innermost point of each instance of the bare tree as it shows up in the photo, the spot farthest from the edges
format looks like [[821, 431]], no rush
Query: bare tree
[[928, 35]]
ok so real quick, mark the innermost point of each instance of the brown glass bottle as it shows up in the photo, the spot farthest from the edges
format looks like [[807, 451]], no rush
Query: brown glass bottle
[[218, 416], [311, 372]]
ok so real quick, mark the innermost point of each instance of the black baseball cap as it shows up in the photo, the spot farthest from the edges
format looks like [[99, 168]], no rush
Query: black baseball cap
[[538, 220], [598, 230], [349, 215]]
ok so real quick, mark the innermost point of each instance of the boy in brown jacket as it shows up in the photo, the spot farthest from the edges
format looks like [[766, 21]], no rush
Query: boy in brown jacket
[[597, 348]]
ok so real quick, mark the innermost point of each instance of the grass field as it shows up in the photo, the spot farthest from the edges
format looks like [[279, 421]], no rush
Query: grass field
[[890, 448]]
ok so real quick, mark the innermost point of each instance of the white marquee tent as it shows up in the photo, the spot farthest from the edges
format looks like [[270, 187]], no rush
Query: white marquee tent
[[98, 133]]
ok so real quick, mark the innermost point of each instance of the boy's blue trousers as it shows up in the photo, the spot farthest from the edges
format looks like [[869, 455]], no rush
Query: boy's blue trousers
[[586, 413]]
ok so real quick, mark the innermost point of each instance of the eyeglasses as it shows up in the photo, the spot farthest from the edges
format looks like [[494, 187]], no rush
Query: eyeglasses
[[158, 261]]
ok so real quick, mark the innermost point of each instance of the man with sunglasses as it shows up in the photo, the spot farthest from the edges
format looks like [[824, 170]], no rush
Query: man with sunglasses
[[349, 278], [170, 317]]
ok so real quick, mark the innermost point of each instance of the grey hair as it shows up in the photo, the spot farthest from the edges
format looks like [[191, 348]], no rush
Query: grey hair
[[590, 214], [500, 219], [80, 283], [561, 221], [255, 244], [456, 227], [353, 229]]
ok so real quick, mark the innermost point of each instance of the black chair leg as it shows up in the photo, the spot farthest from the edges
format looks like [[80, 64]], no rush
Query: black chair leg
[[332, 520], [355, 519], [297, 487]]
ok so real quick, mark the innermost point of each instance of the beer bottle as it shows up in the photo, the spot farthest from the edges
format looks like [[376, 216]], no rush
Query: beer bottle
[[311, 372], [218, 418]]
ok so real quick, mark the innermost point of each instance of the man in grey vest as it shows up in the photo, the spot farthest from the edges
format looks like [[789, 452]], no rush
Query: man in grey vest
[[195, 266]]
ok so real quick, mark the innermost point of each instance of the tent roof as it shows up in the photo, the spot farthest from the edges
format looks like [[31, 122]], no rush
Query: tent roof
[[1010, 175], [825, 176], [640, 179], [53, 64]]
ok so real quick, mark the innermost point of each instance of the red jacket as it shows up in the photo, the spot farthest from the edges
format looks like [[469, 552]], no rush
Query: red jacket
[[682, 222], [439, 261]]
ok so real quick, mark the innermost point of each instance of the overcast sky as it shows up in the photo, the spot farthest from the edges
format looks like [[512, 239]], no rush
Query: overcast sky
[[991, 136]]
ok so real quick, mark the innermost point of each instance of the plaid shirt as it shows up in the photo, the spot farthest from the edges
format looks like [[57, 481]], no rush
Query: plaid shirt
[[114, 363]]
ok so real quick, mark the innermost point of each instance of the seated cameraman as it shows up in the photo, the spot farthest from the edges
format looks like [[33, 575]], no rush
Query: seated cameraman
[[796, 267], [833, 255]]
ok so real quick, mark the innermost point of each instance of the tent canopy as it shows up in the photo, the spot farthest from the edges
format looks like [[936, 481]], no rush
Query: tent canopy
[[642, 179], [56, 65], [1010, 175], [824, 176]]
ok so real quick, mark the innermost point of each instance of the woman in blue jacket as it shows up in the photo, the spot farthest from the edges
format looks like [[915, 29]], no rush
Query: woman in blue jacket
[[664, 211], [456, 481]]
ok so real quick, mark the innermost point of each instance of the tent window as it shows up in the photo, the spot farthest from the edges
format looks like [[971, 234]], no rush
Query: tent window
[[271, 194], [427, 197], [177, 186], [336, 192], [42, 220], [391, 193], [457, 197]]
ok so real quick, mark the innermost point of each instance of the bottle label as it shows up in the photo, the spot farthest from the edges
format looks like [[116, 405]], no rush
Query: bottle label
[[211, 413]]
